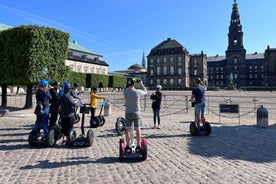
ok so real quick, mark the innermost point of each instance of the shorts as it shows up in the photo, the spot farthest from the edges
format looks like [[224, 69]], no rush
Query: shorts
[[133, 118], [66, 124], [199, 108]]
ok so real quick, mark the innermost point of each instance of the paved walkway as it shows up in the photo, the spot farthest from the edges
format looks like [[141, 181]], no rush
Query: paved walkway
[[233, 153]]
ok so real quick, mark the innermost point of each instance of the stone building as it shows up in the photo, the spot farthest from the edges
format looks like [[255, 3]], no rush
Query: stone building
[[83, 60], [237, 68], [168, 65], [171, 65]]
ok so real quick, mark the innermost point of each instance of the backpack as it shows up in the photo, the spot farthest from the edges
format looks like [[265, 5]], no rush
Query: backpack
[[39, 111]]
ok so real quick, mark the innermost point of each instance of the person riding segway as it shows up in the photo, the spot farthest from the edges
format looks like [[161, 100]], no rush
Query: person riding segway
[[43, 98], [200, 126], [133, 120], [67, 112]]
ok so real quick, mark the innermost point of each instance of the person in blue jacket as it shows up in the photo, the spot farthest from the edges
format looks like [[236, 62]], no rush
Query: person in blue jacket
[[43, 96]]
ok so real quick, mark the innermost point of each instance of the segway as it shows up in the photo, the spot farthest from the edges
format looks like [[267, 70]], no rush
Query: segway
[[202, 130], [81, 140], [142, 154], [99, 120], [35, 139], [120, 126]]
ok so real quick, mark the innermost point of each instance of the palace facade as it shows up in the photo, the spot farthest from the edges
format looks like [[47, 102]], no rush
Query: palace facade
[[170, 64]]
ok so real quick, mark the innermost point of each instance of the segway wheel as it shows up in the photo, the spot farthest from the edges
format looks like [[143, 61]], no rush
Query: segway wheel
[[121, 149], [102, 120], [120, 126], [208, 128], [72, 137], [76, 118], [193, 129], [95, 121], [31, 138], [90, 137], [50, 140], [144, 149]]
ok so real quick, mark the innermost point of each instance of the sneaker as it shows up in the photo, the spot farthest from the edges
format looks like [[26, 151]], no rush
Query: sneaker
[[128, 149], [138, 149]]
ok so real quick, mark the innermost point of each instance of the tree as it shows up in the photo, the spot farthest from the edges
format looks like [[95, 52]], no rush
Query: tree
[[26, 50]]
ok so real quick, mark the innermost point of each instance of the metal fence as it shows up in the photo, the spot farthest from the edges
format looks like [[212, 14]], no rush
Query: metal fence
[[178, 102]]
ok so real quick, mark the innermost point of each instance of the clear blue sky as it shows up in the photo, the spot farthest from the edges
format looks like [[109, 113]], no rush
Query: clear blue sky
[[121, 30]]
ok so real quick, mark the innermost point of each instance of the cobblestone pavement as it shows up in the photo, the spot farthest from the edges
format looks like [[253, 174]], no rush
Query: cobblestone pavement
[[233, 153]]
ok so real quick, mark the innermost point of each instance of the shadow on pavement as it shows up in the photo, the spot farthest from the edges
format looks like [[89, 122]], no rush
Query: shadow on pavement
[[241, 142], [46, 164]]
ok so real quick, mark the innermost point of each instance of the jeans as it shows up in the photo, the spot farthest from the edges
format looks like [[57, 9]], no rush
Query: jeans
[[44, 120], [156, 115]]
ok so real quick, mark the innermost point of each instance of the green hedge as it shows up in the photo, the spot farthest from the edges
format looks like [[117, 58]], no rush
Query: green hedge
[[96, 80]]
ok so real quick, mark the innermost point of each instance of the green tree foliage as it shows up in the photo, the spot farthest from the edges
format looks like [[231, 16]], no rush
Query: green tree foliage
[[25, 50]]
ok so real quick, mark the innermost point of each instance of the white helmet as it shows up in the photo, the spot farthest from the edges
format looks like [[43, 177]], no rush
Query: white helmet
[[158, 86]]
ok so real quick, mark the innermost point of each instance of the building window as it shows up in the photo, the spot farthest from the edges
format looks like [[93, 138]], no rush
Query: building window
[[158, 70], [171, 81], [151, 82], [171, 70], [195, 72], [151, 72], [78, 68], [235, 41], [158, 81], [235, 60], [179, 71], [86, 70], [179, 59], [165, 70], [179, 81], [158, 60], [171, 59], [151, 61], [165, 60], [165, 81]]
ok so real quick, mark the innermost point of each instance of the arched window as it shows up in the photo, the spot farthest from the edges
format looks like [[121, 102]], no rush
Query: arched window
[[171, 81], [165, 70], [158, 70], [179, 71], [171, 70]]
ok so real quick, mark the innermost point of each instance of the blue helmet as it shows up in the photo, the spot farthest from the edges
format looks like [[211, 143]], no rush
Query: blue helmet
[[43, 82], [66, 84]]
